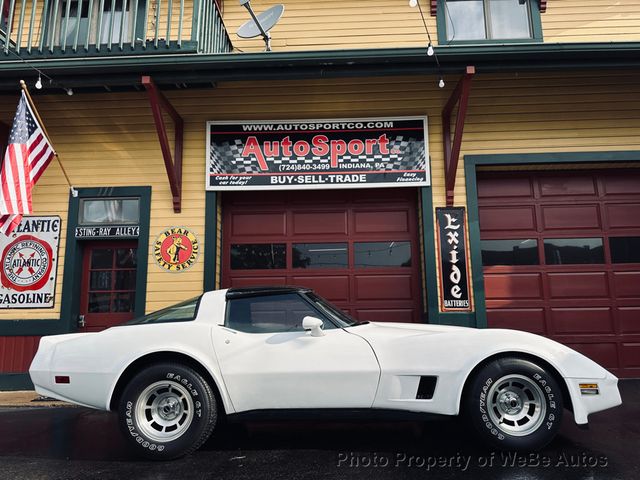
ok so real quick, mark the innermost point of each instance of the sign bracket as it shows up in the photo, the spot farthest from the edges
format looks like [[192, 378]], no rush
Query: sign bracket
[[460, 95], [158, 103]]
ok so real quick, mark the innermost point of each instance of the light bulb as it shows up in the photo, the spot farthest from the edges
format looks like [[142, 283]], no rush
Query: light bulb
[[69, 91], [441, 83], [413, 3], [430, 51], [39, 83]]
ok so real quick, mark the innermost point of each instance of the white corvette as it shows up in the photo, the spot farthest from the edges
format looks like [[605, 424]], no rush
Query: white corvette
[[172, 374]]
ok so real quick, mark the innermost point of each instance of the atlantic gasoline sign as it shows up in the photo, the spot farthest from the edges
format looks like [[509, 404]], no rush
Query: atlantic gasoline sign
[[176, 249], [454, 274], [29, 263], [317, 154]]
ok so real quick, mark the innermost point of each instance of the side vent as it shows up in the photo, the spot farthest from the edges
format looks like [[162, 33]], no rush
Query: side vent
[[426, 387]]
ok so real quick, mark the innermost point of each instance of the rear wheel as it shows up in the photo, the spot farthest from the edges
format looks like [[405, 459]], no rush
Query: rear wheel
[[166, 411], [515, 404]]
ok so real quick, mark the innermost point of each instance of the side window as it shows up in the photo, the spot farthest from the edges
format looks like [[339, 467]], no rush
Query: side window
[[270, 314]]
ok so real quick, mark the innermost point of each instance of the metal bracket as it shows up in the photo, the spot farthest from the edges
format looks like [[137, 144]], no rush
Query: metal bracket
[[158, 103], [452, 149]]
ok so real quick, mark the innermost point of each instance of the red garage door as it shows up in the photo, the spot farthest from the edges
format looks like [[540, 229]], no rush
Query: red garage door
[[358, 249], [561, 256]]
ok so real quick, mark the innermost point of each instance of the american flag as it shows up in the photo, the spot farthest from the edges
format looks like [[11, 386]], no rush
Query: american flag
[[27, 156]]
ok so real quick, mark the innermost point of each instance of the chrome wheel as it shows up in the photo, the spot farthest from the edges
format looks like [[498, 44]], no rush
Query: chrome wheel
[[164, 411], [516, 405]]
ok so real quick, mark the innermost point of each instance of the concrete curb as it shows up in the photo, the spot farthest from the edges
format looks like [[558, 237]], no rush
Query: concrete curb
[[28, 398]]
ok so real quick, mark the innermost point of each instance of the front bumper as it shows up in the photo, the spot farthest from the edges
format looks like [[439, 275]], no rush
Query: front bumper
[[608, 396]]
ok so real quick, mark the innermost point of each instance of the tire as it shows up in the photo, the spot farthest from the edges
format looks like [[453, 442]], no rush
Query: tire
[[514, 404], [166, 411]]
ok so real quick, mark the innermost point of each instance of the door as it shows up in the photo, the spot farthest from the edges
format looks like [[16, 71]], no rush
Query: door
[[108, 284], [561, 257], [269, 362], [357, 248]]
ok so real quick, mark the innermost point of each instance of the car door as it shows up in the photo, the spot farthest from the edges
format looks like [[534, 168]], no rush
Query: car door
[[269, 362]]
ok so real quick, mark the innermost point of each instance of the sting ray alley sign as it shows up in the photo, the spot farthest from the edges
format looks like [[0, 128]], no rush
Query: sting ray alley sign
[[454, 273], [29, 263], [317, 154]]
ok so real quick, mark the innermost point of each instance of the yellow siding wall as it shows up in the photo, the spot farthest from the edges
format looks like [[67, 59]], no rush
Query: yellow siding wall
[[591, 21], [344, 24], [109, 139]]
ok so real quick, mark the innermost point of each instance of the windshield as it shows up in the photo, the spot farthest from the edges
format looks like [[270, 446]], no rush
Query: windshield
[[338, 316], [181, 312]]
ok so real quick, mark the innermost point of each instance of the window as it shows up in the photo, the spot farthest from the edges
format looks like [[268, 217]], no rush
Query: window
[[182, 312], [382, 254], [510, 252], [568, 251], [79, 19], [478, 20], [258, 256], [112, 280], [114, 211], [320, 255], [625, 249], [270, 314]]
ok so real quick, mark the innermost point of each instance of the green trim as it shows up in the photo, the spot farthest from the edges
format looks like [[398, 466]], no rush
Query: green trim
[[15, 382], [534, 15], [470, 164], [430, 268], [70, 304], [210, 240], [333, 63], [28, 327]]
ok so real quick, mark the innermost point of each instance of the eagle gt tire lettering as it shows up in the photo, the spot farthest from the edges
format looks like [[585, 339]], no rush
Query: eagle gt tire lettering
[[167, 411], [514, 404]]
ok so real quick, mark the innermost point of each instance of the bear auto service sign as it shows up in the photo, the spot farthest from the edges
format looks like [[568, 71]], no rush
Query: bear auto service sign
[[176, 249], [29, 264]]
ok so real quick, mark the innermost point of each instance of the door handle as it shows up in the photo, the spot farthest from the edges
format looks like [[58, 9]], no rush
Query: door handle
[[81, 321]]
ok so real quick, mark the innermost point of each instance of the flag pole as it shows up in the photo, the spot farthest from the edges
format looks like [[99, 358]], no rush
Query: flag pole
[[74, 192]]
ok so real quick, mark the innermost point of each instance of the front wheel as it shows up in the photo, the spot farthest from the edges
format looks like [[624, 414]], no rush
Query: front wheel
[[515, 404], [167, 411]]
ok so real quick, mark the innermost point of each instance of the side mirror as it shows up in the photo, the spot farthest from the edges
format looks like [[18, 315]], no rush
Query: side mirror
[[314, 324]]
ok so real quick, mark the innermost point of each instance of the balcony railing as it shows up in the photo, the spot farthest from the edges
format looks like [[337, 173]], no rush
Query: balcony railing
[[65, 28]]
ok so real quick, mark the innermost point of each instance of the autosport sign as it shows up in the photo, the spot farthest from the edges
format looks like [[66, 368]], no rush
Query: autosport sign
[[29, 263], [317, 154]]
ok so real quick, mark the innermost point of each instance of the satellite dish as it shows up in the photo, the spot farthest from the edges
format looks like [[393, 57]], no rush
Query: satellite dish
[[267, 19], [260, 24]]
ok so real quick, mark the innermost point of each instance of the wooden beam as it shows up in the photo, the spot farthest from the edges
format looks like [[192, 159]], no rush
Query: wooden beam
[[460, 96], [173, 166]]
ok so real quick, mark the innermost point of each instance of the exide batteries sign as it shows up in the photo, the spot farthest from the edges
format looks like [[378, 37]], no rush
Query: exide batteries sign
[[343, 153]]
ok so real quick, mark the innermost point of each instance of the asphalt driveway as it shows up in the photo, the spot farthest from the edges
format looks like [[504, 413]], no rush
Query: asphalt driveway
[[72, 442]]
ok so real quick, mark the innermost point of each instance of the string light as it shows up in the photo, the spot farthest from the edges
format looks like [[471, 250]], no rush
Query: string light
[[431, 52], [69, 91], [39, 83]]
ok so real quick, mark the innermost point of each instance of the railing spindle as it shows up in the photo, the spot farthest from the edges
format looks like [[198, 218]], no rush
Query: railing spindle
[[32, 20], [180, 23], [78, 20], [169, 14], [157, 22], [144, 26], [122, 23], [134, 24], [7, 40], [43, 24], [100, 25], [63, 43], [20, 25], [110, 38], [89, 22]]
